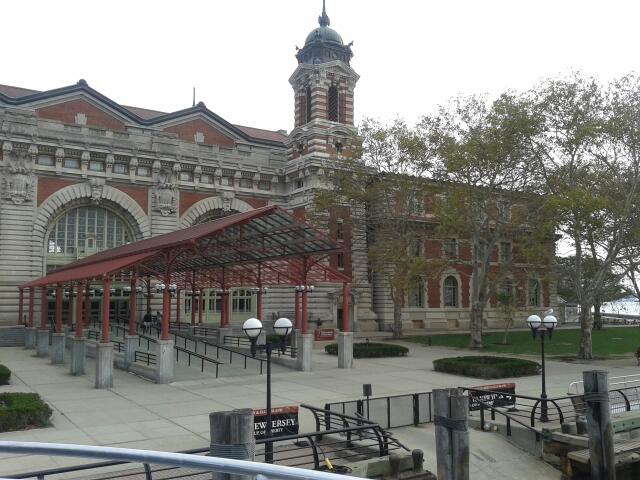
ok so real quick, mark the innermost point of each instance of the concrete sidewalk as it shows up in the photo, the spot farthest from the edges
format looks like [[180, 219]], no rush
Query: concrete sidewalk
[[136, 413]]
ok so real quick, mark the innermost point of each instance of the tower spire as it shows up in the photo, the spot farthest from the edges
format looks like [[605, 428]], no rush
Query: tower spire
[[323, 19]]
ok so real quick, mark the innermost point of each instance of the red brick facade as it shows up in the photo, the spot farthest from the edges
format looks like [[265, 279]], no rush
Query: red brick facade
[[48, 186], [212, 136], [188, 199], [66, 112], [139, 194]]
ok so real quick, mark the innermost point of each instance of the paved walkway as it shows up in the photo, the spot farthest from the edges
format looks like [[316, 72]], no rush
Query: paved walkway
[[136, 413]]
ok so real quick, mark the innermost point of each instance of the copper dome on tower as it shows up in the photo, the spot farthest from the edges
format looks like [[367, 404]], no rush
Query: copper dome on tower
[[324, 44]]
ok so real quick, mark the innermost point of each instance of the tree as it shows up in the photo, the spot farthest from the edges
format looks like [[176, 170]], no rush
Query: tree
[[381, 178], [481, 153], [588, 150]]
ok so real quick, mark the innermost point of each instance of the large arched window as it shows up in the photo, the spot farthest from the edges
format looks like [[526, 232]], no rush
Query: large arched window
[[214, 215], [450, 291], [83, 231], [332, 105]]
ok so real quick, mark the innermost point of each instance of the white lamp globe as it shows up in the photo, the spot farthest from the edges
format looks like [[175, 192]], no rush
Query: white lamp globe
[[550, 322], [534, 321], [252, 327], [282, 327]]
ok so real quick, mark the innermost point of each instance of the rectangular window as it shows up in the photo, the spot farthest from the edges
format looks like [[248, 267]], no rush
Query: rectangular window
[[121, 168], [340, 261], [187, 305], [144, 172], [96, 166], [204, 178], [505, 252], [246, 183], [504, 210], [227, 181], [416, 205], [533, 291], [72, 163], [416, 296], [339, 229], [186, 176], [264, 185], [299, 183], [46, 160], [451, 247]]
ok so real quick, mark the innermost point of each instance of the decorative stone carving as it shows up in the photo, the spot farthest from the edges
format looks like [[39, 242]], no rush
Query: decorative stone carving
[[19, 181], [59, 157], [165, 193], [97, 186], [227, 198]]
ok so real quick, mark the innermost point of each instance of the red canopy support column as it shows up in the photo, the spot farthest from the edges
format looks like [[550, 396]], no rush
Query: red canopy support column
[[20, 306], [194, 298], [87, 303], [297, 313], [30, 331], [57, 339], [32, 295], [178, 306], [259, 304], [42, 349], [79, 311], [166, 309], [200, 304], [106, 299], [78, 343], [58, 324], [133, 303]]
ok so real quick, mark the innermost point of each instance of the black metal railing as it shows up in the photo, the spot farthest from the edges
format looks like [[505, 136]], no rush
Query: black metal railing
[[244, 342], [205, 331], [391, 411], [145, 338], [340, 438], [147, 358], [118, 346], [93, 335], [179, 325], [202, 358]]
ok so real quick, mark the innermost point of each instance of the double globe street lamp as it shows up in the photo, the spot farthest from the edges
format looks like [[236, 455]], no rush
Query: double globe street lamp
[[252, 329], [549, 323]]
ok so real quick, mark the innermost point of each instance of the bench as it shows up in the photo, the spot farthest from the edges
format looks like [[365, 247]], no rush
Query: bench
[[626, 450]]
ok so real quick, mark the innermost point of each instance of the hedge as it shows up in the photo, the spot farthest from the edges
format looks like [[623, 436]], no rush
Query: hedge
[[371, 350], [487, 367], [19, 411], [5, 375]]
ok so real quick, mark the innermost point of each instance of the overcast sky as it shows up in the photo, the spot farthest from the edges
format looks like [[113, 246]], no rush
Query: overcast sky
[[411, 54]]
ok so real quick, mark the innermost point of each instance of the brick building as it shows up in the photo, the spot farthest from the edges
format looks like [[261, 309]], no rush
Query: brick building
[[81, 173]]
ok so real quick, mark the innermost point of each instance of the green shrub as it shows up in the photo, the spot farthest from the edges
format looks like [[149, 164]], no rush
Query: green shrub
[[487, 367], [5, 374], [371, 350], [19, 411]]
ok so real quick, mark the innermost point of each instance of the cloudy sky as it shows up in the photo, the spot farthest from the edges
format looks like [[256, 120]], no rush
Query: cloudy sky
[[411, 54]]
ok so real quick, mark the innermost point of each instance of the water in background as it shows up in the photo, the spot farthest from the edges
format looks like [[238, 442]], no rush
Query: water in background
[[629, 306]]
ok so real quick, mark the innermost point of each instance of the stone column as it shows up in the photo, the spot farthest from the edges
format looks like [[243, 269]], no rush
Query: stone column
[[165, 362], [42, 348], [57, 348], [104, 364], [345, 337], [106, 298], [224, 332], [78, 343], [304, 344], [130, 345]]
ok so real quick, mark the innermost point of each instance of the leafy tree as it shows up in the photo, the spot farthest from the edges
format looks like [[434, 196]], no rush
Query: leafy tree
[[588, 150], [481, 156], [382, 178]]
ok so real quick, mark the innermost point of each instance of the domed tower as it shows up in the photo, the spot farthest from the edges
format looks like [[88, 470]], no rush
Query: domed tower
[[323, 85]]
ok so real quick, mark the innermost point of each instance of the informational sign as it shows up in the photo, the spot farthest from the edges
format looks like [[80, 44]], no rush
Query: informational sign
[[496, 395], [284, 421], [325, 334]]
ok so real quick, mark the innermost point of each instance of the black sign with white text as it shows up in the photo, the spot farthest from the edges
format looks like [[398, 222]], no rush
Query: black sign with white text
[[284, 421]]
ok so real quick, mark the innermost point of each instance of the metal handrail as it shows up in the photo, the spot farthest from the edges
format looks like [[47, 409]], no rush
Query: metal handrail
[[197, 355], [218, 464], [622, 380], [146, 357], [241, 341]]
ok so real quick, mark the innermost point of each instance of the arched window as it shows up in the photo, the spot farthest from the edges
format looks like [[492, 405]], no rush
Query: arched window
[[533, 290], [83, 231], [450, 291], [308, 105], [332, 105], [214, 215]]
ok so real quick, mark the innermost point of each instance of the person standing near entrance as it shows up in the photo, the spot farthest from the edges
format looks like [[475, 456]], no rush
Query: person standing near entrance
[[146, 321]]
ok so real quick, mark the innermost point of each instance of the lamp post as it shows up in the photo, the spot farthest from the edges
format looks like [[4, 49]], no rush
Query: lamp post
[[549, 322], [252, 329]]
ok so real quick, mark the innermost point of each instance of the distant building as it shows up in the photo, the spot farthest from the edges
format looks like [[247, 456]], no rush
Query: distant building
[[82, 173]]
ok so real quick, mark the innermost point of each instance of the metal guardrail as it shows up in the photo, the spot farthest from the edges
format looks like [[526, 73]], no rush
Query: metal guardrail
[[205, 331], [202, 358], [144, 357], [246, 343], [93, 335], [120, 456], [623, 381], [391, 411]]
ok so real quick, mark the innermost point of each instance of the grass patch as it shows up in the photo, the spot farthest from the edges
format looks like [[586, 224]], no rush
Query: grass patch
[[486, 367], [19, 411], [610, 342], [371, 350], [5, 375]]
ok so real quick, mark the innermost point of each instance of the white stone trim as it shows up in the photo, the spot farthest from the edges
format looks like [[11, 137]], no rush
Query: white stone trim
[[206, 205]]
